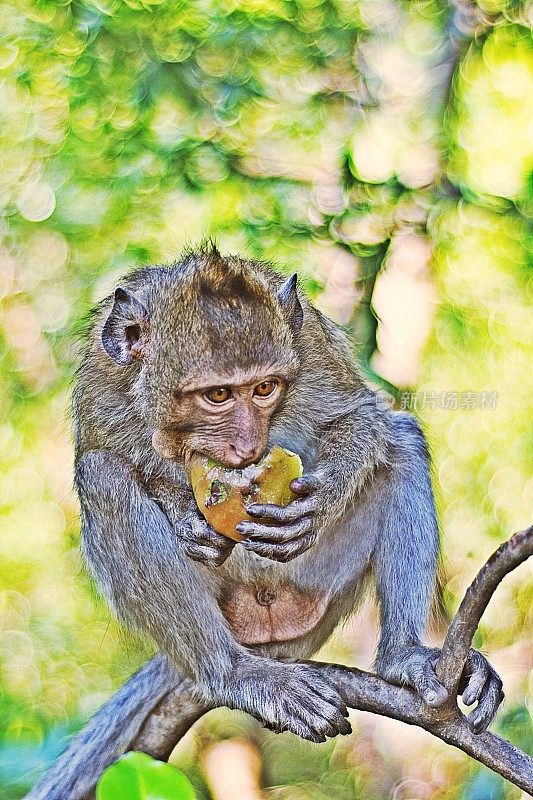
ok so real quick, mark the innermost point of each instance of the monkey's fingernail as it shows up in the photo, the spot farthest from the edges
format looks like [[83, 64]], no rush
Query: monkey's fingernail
[[431, 697]]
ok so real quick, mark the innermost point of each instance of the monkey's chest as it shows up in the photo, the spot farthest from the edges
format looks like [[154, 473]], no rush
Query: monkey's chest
[[260, 614]]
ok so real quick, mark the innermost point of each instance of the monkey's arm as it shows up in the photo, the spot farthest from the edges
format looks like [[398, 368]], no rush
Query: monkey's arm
[[404, 564], [136, 558], [140, 564]]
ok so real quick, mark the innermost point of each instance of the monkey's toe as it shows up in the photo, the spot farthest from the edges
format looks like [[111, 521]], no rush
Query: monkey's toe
[[489, 702], [477, 672]]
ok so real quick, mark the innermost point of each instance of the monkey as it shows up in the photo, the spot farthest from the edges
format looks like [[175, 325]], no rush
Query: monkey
[[225, 357]]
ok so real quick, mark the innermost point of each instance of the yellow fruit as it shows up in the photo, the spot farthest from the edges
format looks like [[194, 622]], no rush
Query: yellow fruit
[[222, 494]]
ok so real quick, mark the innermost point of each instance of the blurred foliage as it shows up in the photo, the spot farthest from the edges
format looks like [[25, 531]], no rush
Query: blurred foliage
[[139, 777], [384, 150]]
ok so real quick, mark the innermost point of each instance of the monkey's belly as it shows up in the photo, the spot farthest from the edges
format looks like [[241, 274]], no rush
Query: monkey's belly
[[260, 614]]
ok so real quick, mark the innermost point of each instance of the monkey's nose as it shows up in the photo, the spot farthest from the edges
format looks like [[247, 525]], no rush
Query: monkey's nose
[[242, 456]]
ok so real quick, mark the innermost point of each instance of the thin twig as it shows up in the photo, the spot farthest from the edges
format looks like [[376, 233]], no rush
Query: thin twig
[[464, 625]]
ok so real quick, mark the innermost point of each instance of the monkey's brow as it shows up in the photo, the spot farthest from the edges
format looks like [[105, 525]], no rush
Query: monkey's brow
[[237, 377]]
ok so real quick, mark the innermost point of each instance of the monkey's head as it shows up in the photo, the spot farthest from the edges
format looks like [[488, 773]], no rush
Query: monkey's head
[[209, 345]]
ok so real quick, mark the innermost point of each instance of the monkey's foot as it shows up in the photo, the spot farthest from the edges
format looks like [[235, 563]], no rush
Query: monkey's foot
[[289, 697], [479, 683]]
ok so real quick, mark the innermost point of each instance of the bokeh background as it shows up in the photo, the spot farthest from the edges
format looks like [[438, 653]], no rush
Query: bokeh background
[[382, 149]]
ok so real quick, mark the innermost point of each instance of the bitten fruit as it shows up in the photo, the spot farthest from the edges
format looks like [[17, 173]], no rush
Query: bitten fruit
[[222, 494]]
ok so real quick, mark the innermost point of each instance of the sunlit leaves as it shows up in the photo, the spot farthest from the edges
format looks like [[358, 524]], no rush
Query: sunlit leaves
[[136, 776], [493, 137]]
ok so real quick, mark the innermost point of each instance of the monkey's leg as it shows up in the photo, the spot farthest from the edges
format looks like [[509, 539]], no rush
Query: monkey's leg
[[139, 560], [115, 727], [405, 563]]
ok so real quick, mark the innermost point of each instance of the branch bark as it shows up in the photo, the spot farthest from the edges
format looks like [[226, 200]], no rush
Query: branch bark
[[464, 625], [363, 691]]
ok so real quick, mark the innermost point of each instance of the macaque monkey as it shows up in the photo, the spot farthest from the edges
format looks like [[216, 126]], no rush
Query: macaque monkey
[[224, 357]]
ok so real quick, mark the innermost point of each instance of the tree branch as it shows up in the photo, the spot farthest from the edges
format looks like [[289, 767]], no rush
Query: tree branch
[[367, 692], [464, 625]]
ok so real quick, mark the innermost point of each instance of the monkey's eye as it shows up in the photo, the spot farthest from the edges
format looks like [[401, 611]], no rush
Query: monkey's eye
[[265, 389], [218, 395]]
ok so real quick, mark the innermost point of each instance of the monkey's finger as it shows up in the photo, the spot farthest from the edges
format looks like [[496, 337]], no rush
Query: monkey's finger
[[325, 689], [211, 538], [329, 718], [304, 731], [306, 484], [422, 677], [321, 706], [280, 552], [208, 538], [299, 728], [489, 701], [269, 534], [289, 721], [295, 510], [318, 724], [209, 556], [200, 529], [476, 672]]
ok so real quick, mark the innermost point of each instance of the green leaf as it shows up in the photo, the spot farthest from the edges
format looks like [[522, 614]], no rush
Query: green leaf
[[136, 776]]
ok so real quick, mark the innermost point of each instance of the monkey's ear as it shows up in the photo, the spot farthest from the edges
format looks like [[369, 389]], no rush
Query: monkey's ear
[[290, 303], [124, 327]]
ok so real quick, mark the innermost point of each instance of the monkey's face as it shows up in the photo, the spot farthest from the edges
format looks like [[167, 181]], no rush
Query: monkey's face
[[210, 351], [225, 417]]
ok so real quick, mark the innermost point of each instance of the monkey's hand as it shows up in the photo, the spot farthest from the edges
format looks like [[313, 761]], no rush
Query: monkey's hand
[[284, 532], [202, 543], [480, 682]]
